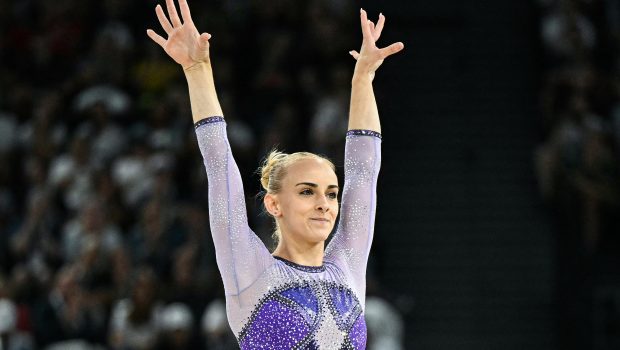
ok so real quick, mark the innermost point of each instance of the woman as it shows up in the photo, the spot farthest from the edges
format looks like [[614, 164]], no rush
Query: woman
[[304, 295]]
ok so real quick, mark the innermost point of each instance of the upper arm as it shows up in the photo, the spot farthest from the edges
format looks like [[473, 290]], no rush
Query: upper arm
[[351, 243], [241, 255]]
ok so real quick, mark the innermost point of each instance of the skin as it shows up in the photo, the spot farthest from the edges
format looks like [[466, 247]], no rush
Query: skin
[[302, 240], [305, 210]]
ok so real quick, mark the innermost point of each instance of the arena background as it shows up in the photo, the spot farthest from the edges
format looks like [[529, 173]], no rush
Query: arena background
[[498, 200]]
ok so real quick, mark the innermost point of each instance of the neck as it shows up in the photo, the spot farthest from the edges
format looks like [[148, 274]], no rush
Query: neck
[[302, 254]]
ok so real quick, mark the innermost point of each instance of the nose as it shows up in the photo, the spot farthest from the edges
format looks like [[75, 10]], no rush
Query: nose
[[322, 204]]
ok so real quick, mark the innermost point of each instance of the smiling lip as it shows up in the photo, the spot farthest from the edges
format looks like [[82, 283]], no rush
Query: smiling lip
[[319, 219]]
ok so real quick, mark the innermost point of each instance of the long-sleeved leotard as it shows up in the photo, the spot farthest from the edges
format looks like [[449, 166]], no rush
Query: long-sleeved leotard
[[273, 303]]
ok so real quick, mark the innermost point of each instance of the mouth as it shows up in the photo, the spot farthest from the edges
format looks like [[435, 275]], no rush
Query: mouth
[[320, 220]]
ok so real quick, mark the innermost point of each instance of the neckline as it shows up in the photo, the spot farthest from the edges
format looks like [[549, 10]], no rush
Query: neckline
[[305, 268]]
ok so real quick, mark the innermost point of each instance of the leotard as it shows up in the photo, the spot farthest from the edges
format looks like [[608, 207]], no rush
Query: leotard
[[272, 303]]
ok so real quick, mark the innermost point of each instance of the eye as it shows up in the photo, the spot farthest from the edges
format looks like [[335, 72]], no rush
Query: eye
[[306, 192], [332, 195]]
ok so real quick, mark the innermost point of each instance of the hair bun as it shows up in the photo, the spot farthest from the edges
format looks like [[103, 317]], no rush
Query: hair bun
[[271, 162]]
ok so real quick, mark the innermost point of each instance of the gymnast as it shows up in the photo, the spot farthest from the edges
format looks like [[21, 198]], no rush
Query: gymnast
[[304, 295]]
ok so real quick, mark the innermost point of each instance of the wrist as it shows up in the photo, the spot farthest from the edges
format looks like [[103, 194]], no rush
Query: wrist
[[197, 67], [362, 78]]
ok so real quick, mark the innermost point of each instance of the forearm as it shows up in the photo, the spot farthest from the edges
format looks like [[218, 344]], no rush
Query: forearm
[[363, 112], [202, 95]]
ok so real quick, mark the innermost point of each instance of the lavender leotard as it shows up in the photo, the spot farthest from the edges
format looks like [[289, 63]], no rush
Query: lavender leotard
[[273, 303]]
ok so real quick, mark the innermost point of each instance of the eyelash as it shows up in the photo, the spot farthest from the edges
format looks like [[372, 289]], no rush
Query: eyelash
[[307, 192]]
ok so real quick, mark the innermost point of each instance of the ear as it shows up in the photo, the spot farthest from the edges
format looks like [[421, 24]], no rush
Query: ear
[[272, 205]]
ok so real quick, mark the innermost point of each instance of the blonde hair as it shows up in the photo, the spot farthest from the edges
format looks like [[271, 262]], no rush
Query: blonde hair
[[273, 171]]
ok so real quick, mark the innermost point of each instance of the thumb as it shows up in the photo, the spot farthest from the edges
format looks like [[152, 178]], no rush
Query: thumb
[[354, 53], [392, 49], [204, 39]]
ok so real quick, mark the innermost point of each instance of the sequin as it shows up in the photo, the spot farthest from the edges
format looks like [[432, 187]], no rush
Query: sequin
[[208, 121], [273, 303], [355, 132]]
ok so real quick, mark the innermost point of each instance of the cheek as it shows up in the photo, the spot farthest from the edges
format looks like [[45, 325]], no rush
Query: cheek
[[335, 209], [297, 206]]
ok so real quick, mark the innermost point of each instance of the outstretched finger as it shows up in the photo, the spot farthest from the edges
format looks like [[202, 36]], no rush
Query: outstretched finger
[[163, 20], [392, 49], [172, 13], [185, 14], [379, 26], [156, 37], [366, 32], [204, 41], [355, 54]]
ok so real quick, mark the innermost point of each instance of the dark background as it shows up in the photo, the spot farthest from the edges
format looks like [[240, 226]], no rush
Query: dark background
[[497, 220]]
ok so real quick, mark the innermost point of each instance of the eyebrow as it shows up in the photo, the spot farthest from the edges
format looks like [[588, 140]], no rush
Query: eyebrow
[[315, 185]]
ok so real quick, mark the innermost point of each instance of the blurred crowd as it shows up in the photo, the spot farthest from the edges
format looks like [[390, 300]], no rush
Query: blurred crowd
[[578, 160], [104, 227]]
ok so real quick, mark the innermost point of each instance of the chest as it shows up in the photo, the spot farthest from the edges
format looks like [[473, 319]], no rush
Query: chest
[[315, 314]]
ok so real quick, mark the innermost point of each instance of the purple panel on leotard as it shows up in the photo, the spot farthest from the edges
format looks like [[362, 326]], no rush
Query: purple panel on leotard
[[343, 300], [346, 305], [357, 334], [304, 296], [276, 325]]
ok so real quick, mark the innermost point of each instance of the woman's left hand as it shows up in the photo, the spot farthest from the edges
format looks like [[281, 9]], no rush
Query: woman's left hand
[[370, 56]]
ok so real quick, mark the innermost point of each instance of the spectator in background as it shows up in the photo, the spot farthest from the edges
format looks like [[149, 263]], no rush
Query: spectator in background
[[37, 242], [155, 237], [164, 129], [577, 163], [66, 313], [111, 196], [22, 288], [71, 173], [597, 182], [566, 33], [108, 139], [177, 329], [134, 171], [10, 337], [189, 284], [134, 322], [121, 276], [90, 228], [385, 325], [46, 133], [215, 329]]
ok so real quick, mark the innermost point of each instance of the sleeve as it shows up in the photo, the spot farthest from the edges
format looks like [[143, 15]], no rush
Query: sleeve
[[350, 246], [241, 256]]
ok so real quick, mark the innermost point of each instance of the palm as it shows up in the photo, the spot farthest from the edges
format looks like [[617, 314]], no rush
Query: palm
[[184, 44]]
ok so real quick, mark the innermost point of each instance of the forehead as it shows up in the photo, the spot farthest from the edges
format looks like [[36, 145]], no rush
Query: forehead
[[311, 170]]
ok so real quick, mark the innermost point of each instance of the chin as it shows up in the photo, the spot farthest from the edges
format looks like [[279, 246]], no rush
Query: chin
[[317, 236], [314, 234], [322, 236]]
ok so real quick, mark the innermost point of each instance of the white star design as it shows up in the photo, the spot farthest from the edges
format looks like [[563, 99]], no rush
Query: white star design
[[329, 336]]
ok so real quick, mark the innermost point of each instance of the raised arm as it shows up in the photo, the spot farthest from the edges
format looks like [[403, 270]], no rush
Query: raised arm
[[241, 255], [363, 112], [351, 244]]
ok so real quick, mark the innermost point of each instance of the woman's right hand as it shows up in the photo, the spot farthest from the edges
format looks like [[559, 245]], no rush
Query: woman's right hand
[[184, 44]]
